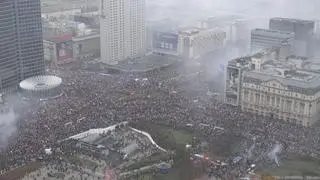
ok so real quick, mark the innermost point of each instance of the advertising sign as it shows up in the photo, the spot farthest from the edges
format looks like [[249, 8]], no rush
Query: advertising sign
[[165, 41], [64, 51]]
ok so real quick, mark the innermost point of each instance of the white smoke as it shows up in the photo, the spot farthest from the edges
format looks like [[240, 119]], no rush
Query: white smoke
[[248, 9], [8, 120], [249, 155], [257, 8], [273, 154], [253, 14]]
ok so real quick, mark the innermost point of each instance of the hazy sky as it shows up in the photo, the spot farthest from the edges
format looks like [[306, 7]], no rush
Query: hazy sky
[[305, 9], [256, 11]]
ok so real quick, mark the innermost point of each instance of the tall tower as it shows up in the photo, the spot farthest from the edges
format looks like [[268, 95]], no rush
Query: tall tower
[[21, 46], [122, 29], [303, 30]]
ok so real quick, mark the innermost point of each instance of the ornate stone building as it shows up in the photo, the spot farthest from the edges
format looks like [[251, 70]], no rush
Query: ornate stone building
[[292, 96], [283, 89]]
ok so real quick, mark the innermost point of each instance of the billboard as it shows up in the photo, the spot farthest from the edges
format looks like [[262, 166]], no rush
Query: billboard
[[64, 51], [165, 41]]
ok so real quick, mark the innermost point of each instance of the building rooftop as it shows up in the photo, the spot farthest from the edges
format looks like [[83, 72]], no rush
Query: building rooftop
[[271, 31], [59, 39], [291, 72], [246, 60], [88, 14], [241, 61], [86, 36], [298, 81], [265, 52], [297, 74], [147, 63], [292, 20], [190, 30]]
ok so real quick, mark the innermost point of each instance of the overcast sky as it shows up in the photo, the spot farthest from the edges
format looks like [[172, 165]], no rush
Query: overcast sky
[[305, 9]]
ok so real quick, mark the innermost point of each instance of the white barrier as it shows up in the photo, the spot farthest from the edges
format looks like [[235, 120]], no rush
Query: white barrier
[[149, 137], [111, 128], [95, 131]]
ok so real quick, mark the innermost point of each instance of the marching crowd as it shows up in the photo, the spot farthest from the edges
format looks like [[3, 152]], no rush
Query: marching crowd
[[93, 100]]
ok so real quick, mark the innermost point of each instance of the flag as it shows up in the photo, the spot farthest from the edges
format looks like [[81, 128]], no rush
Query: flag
[[110, 175], [221, 68]]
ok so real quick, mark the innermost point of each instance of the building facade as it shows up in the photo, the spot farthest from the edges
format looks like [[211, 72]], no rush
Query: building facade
[[303, 30], [283, 96], [162, 26], [234, 74], [165, 42], [59, 49], [21, 42], [50, 51], [224, 22], [241, 31], [122, 30], [86, 47], [195, 42], [265, 85], [266, 38], [9, 64], [53, 30]]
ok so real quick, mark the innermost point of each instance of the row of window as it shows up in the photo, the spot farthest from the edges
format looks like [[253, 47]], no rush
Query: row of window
[[279, 91], [292, 119]]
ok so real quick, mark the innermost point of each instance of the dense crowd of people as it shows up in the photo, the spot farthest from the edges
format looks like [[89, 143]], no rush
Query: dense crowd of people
[[174, 97]]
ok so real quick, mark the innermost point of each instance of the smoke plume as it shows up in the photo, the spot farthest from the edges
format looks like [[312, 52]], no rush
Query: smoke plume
[[273, 154], [7, 126]]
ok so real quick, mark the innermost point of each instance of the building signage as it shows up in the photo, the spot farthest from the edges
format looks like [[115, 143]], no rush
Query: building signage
[[165, 41]]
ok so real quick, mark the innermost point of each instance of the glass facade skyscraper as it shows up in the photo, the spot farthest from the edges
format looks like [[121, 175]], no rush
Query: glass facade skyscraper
[[21, 47]]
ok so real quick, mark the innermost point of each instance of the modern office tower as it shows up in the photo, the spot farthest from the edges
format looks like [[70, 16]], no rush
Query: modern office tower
[[122, 30], [266, 38], [21, 48], [303, 30], [30, 38]]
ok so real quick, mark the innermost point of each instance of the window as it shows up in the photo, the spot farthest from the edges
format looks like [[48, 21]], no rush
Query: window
[[257, 98], [289, 104], [273, 101], [246, 95]]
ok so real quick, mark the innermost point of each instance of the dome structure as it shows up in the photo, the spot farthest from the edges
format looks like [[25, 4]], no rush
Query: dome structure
[[45, 86], [164, 168]]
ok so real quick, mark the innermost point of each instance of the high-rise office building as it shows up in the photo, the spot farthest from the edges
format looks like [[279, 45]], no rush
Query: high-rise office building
[[266, 38], [122, 30], [21, 48], [303, 30]]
